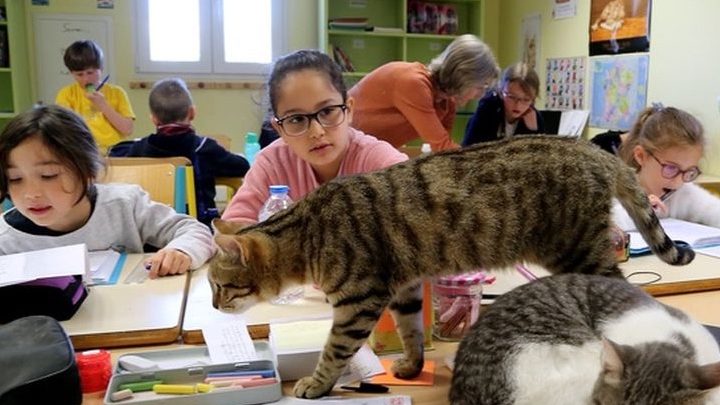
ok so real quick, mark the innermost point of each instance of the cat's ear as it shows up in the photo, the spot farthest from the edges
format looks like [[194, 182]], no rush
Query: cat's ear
[[612, 365], [227, 244], [709, 376], [228, 227]]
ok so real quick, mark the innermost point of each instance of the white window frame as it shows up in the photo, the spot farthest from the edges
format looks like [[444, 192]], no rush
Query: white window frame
[[212, 61]]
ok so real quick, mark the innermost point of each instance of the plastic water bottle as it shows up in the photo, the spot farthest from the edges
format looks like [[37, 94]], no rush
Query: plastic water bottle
[[252, 147], [278, 201]]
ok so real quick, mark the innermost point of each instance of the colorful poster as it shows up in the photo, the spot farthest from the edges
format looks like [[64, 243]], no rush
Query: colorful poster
[[565, 84], [530, 41], [619, 26], [619, 90]]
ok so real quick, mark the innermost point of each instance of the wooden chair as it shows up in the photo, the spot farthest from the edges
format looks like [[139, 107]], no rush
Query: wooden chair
[[183, 179], [158, 179], [223, 140]]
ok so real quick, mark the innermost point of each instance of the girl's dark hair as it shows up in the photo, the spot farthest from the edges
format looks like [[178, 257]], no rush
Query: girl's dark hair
[[301, 60], [65, 135], [85, 54]]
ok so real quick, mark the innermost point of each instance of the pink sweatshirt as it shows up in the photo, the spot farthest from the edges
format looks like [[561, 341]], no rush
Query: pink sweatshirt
[[278, 164]]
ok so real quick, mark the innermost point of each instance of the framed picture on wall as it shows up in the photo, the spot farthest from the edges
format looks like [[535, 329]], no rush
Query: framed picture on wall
[[530, 41], [619, 26]]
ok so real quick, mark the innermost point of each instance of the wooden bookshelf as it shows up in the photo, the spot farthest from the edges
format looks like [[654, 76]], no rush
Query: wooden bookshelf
[[368, 50]]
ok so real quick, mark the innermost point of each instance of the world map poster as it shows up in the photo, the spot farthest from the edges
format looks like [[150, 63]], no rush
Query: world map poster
[[618, 90]]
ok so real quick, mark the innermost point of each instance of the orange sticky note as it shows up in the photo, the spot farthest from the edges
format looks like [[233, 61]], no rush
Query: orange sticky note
[[426, 377]]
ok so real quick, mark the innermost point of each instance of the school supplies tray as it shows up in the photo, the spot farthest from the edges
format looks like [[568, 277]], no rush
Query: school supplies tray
[[183, 373]]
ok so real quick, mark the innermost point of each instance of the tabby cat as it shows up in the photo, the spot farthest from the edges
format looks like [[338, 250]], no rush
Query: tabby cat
[[368, 240], [582, 339]]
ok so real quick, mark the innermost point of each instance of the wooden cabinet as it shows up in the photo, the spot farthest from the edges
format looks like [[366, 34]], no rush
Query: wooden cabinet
[[386, 36], [15, 92]]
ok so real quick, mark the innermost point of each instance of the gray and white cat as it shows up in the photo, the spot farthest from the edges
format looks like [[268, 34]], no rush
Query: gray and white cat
[[585, 339]]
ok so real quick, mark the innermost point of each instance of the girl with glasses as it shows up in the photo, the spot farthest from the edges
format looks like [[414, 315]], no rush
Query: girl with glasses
[[403, 101], [665, 146], [311, 112], [509, 110]]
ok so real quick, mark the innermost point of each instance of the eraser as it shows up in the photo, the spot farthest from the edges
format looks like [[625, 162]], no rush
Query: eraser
[[137, 363]]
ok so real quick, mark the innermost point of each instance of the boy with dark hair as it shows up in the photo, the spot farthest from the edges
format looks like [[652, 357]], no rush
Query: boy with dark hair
[[105, 107], [172, 112]]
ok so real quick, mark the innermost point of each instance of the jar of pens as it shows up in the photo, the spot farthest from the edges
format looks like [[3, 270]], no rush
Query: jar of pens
[[456, 304]]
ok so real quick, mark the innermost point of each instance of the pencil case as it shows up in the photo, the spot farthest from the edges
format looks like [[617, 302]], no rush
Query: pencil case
[[186, 368], [37, 363], [57, 297]]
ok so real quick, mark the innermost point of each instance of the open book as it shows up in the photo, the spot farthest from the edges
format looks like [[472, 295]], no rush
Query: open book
[[696, 235]]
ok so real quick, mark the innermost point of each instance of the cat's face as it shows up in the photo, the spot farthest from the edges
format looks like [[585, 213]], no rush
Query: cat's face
[[235, 270], [654, 373]]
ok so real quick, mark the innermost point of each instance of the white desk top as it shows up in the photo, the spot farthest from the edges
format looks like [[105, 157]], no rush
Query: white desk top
[[129, 314], [199, 310]]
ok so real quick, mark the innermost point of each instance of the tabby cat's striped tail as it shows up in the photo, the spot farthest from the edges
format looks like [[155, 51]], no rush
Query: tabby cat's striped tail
[[636, 203]]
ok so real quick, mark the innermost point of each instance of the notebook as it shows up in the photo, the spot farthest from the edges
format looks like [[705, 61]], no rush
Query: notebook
[[698, 236]]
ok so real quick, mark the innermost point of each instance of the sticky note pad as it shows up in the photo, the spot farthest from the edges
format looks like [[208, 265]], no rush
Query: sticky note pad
[[426, 377]]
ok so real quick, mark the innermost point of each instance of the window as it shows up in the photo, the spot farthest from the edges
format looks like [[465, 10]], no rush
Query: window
[[208, 36]]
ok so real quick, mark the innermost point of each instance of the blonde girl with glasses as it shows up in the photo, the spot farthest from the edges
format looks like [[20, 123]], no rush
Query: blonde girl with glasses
[[665, 146], [311, 112], [403, 101], [508, 110]]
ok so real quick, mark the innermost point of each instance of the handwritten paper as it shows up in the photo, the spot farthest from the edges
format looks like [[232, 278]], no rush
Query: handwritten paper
[[229, 342]]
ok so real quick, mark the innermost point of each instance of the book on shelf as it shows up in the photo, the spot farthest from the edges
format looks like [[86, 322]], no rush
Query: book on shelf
[[359, 23], [696, 235], [342, 59]]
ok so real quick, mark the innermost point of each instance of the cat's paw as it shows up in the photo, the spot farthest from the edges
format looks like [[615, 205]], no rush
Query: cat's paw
[[406, 369], [310, 388]]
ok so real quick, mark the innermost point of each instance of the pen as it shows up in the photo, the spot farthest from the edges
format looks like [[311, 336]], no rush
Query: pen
[[243, 373], [102, 83], [525, 272], [367, 388], [667, 195]]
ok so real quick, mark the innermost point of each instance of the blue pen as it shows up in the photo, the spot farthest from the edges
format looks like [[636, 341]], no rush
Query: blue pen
[[241, 373], [102, 83]]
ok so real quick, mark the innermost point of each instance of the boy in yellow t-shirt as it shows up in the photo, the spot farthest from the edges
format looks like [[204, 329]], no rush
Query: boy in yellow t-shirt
[[104, 107]]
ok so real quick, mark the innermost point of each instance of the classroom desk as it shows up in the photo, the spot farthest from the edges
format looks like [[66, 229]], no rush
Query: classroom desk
[[199, 310], [703, 274], [129, 314]]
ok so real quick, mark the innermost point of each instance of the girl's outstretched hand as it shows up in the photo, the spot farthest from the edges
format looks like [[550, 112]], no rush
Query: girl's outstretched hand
[[168, 262]]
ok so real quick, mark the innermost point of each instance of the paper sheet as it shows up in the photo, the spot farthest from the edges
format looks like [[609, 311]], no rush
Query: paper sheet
[[426, 377], [53, 262], [229, 342]]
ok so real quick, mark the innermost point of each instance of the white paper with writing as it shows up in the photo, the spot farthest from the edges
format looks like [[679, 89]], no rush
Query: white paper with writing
[[229, 342]]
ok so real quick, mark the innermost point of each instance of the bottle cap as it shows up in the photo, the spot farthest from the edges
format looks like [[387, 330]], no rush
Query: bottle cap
[[279, 189], [95, 370], [251, 137]]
